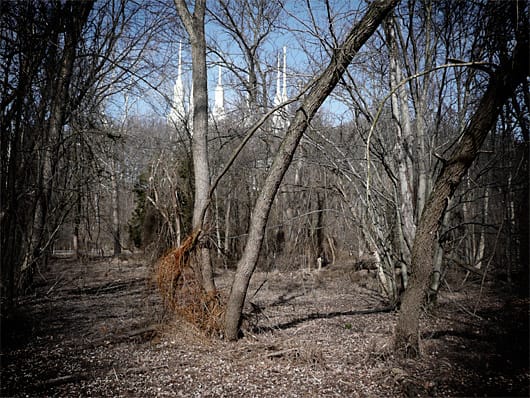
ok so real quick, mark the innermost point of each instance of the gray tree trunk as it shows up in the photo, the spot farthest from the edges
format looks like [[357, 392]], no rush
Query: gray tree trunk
[[226, 245], [341, 58], [115, 199], [404, 144], [194, 24]]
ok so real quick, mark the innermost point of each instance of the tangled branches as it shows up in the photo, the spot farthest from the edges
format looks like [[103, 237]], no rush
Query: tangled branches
[[179, 280]]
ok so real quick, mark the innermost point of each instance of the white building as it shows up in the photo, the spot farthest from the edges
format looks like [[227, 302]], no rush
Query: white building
[[177, 112], [279, 119], [218, 112]]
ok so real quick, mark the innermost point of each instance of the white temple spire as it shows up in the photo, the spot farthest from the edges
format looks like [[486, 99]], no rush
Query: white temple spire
[[219, 99], [284, 89], [279, 119], [179, 71], [278, 96], [177, 112]]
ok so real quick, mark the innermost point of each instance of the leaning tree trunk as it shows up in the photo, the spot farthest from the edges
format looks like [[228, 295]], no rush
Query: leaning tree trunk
[[502, 85], [323, 86]]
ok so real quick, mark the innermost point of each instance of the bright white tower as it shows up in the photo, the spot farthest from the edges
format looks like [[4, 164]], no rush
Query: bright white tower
[[278, 96], [219, 99], [284, 89], [279, 119], [177, 112]]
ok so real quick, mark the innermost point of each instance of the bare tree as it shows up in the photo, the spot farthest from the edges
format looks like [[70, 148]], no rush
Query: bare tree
[[322, 87], [512, 71], [249, 24], [194, 24], [44, 42], [61, 64]]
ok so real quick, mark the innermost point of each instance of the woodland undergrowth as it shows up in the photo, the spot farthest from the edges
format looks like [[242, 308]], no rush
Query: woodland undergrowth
[[178, 279]]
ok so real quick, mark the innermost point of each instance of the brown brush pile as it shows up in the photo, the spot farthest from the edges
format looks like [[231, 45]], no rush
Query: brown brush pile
[[179, 280]]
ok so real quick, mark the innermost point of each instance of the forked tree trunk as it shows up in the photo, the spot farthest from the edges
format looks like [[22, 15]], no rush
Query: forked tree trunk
[[323, 86], [404, 143], [501, 87], [404, 197]]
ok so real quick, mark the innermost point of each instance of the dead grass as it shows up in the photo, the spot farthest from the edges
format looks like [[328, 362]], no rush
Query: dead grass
[[182, 292]]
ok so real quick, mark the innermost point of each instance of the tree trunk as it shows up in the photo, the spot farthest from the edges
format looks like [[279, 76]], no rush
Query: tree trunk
[[434, 286], [404, 143], [226, 245], [194, 25], [502, 84], [323, 86], [31, 131], [479, 255], [77, 224], [115, 208], [217, 226]]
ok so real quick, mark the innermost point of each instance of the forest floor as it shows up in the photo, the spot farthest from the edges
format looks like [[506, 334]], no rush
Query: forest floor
[[97, 328]]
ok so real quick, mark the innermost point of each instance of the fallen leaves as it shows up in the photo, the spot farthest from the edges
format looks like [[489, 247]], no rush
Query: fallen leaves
[[101, 332]]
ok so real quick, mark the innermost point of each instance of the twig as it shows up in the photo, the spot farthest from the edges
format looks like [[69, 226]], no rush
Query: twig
[[60, 380], [259, 288], [53, 286], [455, 63], [249, 133], [461, 306], [280, 353], [487, 265]]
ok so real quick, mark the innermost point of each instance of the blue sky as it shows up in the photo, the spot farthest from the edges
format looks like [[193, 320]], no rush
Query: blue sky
[[292, 34]]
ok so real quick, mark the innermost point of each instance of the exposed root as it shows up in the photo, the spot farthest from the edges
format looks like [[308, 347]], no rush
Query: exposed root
[[180, 285]]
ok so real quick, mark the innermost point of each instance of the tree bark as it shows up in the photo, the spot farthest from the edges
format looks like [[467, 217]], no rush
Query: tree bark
[[194, 25], [501, 87], [323, 86], [404, 142]]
